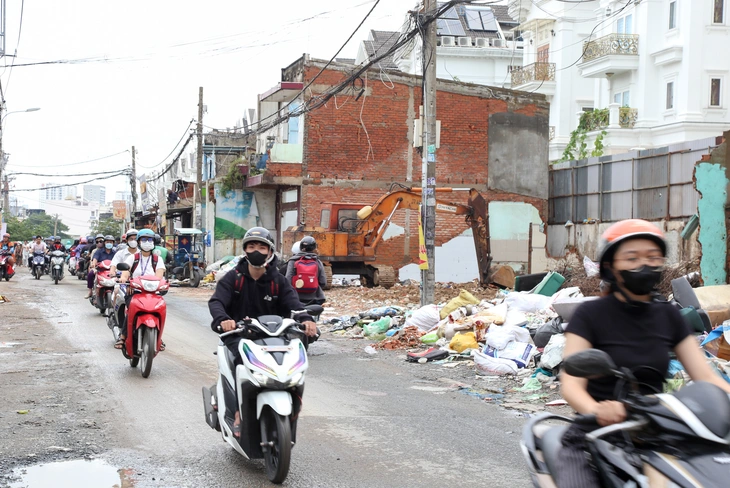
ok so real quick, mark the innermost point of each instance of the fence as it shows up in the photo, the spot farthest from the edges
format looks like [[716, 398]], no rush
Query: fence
[[653, 184]]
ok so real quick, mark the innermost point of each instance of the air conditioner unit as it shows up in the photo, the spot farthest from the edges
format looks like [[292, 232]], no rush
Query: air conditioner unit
[[520, 44], [482, 42], [464, 41], [447, 41], [497, 43]]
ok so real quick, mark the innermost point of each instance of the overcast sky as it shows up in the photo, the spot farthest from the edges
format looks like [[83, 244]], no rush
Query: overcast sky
[[145, 60]]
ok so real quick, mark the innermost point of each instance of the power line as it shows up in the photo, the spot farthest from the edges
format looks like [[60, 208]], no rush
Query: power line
[[20, 29], [71, 164], [67, 176], [121, 173], [173, 149]]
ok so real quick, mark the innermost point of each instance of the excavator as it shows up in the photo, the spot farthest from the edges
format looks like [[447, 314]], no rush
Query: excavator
[[349, 234]]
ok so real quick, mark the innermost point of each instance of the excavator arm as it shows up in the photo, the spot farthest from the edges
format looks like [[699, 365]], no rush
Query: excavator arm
[[376, 219]]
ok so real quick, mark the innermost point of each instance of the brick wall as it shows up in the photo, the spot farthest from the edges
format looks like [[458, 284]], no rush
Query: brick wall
[[355, 149]]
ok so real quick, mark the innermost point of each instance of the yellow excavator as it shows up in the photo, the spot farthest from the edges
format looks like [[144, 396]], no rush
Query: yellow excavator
[[349, 234]]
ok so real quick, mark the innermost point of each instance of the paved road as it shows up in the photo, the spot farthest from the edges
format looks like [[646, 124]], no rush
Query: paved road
[[366, 422]]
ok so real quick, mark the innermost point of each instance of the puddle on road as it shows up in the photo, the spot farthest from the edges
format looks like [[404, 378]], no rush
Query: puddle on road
[[10, 344], [76, 474]]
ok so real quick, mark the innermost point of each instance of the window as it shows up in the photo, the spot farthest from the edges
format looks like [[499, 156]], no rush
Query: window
[[543, 54], [718, 12], [670, 95], [673, 15], [715, 85], [622, 98], [624, 25]]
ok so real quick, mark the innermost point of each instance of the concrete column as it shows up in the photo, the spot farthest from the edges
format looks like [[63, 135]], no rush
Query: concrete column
[[613, 116]]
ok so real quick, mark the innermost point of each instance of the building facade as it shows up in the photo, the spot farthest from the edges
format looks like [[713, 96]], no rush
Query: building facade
[[633, 75], [51, 191], [95, 193]]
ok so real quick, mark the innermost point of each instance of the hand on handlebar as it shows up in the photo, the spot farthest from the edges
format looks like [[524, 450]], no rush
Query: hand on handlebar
[[228, 325], [610, 412], [310, 328]]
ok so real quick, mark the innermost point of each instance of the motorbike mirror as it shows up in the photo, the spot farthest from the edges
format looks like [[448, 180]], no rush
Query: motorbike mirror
[[314, 309], [123, 267], [590, 363]]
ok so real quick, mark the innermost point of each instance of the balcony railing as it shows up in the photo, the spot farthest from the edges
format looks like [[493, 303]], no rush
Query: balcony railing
[[551, 133], [533, 72], [627, 117], [611, 117], [620, 44]]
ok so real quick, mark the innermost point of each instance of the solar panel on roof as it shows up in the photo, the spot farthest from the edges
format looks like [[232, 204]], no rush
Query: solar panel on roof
[[480, 19], [450, 14], [449, 27]]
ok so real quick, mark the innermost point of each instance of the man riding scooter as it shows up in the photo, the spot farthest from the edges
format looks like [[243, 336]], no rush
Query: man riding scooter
[[8, 247], [105, 253], [37, 247], [306, 272]]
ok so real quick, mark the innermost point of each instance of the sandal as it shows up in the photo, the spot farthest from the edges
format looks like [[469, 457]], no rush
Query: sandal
[[120, 343], [236, 430], [162, 346]]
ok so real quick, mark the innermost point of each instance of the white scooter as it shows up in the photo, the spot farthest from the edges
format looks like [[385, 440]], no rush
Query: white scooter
[[266, 389]]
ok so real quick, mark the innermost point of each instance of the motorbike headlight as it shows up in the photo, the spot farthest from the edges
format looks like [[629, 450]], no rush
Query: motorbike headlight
[[195, 256], [261, 378], [149, 285], [296, 379], [108, 282]]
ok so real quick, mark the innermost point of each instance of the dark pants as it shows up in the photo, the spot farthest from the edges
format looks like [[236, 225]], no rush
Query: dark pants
[[575, 471], [90, 279]]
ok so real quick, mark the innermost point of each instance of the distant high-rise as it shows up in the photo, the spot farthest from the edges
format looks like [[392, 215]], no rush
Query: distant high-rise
[[95, 193], [51, 191]]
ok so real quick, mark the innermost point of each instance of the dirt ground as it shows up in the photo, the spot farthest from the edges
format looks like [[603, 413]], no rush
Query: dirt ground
[[44, 417]]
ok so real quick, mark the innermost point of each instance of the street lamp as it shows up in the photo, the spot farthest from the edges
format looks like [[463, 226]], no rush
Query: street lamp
[[2, 154]]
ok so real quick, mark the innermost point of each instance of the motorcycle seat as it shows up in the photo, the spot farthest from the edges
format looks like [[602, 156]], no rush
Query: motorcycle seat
[[710, 405], [551, 444]]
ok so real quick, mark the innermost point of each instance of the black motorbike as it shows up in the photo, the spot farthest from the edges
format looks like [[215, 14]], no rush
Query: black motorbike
[[38, 263], [680, 439]]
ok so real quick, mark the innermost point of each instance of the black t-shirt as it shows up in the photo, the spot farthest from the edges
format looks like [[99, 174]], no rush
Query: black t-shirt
[[633, 337]]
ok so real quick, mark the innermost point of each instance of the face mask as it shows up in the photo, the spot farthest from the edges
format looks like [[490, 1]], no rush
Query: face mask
[[108, 245], [147, 246], [132, 244], [256, 258], [641, 281]]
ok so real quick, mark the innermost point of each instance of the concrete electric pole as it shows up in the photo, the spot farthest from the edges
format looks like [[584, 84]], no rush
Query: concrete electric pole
[[428, 150], [199, 159], [133, 183]]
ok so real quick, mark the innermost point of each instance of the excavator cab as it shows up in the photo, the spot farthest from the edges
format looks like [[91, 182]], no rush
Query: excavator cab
[[341, 217]]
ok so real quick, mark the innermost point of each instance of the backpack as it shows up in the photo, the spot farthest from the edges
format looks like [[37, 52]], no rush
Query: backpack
[[305, 276], [238, 286], [136, 263]]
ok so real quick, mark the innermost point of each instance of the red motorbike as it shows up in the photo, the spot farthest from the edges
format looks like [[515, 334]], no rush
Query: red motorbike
[[145, 320], [6, 270], [101, 295]]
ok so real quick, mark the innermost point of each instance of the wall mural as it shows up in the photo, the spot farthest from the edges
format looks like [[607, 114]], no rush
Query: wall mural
[[234, 214]]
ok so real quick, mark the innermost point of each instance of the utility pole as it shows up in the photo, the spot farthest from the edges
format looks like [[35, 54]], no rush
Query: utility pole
[[133, 183], [2, 154], [55, 225], [428, 150], [199, 160]]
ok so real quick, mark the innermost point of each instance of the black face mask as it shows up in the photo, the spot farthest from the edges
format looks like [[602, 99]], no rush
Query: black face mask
[[641, 281], [256, 258]]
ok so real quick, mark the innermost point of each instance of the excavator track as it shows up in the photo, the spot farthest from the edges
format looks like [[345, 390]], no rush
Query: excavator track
[[328, 275], [385, 276]]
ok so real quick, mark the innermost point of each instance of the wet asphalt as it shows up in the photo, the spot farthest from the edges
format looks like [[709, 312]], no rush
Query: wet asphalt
[[365, 422]]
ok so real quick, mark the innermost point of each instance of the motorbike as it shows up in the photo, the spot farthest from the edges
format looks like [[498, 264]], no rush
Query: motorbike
[[266, 389], [82, 266], [39, 264], [680, 439], [5, 271], [101, 294], [144, 320], [72, 265], [116, 312], [57, 263]]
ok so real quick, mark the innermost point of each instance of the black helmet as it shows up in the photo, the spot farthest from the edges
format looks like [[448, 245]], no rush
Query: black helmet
[[158, 240], [57, 238], [307, 244], [258, 234]]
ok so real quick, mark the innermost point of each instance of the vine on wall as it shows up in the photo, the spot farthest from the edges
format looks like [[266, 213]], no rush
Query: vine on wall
[[577, 147]]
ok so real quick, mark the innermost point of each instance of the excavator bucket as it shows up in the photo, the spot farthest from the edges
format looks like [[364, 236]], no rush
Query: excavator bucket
[[479, 221]]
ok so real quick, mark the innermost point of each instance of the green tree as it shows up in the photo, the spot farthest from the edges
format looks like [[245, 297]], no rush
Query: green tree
[[108, 226], [36, 224]]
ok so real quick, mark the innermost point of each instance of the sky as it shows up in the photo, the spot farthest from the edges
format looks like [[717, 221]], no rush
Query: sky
[[135, 71]]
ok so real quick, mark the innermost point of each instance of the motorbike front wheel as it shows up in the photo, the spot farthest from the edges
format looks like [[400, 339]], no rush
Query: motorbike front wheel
[[276, 434], [37, 273], [149, 347], [55, 278]]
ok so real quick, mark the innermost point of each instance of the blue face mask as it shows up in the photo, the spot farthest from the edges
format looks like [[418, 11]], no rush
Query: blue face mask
[[108, 245]]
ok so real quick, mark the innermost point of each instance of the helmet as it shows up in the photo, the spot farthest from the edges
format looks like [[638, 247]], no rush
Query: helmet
[[124, 237], [158, 239], [295, 248], [89, 238], [99, 236], [258, 234], [57, 238], [6, 235], [145, 233], [622, 232], [308, 244], [83, 240], [109, 237], [131, 232]]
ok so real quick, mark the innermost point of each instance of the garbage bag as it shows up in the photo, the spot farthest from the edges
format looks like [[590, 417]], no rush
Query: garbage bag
[[488, 365], [519, 352], [379, 312], [498, 336], [527, 302], [552, 356], [463, 341], [546, 331], [425, 318], [592, 269], [378, 327], [430, 338], [717, 342], [464, 298]]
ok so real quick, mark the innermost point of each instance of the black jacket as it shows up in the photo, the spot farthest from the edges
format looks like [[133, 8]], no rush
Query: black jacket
[[269, 295]]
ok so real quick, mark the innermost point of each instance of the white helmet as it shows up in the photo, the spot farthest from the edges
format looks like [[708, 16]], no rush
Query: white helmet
[[295, 248]]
